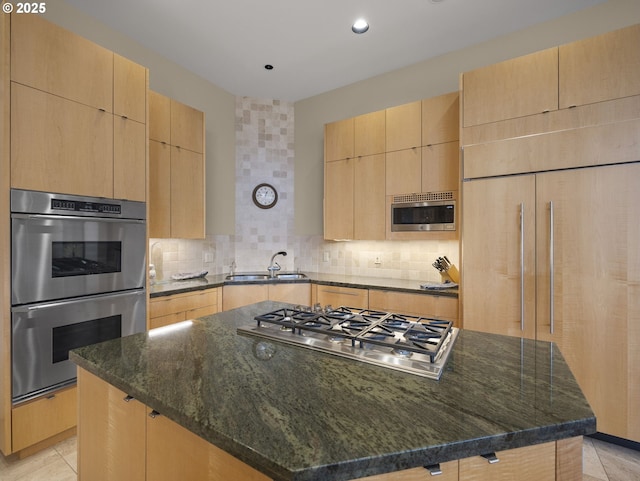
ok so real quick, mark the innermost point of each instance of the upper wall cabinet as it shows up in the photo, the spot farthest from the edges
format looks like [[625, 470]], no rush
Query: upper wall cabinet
[[55, 60], [440, 119], [404, 126], [176, 169], [514, 88], [369, 134], [78, 114], [338, 140], [587, 68]]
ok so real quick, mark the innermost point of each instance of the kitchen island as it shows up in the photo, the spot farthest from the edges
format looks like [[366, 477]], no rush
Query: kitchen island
[[295, 414]]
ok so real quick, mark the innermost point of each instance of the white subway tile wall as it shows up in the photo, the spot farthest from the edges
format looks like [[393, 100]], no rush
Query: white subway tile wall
[[265, 153]]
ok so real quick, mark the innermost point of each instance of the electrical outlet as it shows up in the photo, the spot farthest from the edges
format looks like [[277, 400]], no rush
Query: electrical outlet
[[325, 256], [378, 260], [208, 257]]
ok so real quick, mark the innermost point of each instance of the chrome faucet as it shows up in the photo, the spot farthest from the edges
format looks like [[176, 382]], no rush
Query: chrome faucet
[[274, 266]]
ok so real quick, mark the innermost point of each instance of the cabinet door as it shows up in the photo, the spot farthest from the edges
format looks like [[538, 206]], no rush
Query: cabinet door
[[595, 285], [338, 140], [243, 295], [404, 126], [129, 89], [60, 146], [369, 198], [129, 159], [449, 473], [514, 88], [159, 189], [52, 59], [404, 172], [369, 137], [159, 117], [531, 463], [111, 432], [600, 68], [187, 194], [336, 296], [293, 293], [440, 167], [338, 199], [43, 418], [426, 305], [441, 119], [187, 127], [498, 278]]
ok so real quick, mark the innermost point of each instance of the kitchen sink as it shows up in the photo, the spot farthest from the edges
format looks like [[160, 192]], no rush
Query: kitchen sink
[[291, 275], [284, 276]]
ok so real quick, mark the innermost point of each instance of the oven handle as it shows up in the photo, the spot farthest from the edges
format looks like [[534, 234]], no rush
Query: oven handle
[[80, 218], [76, 300]]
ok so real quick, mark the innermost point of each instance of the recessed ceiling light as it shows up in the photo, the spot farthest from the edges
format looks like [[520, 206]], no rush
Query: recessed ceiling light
[[360, 26], [268, 67]]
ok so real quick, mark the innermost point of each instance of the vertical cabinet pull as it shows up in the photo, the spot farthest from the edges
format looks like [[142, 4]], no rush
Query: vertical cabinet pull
[[551, 267], [522, 266]]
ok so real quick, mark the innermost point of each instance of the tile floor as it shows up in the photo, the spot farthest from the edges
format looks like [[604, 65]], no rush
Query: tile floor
[[602, 462]]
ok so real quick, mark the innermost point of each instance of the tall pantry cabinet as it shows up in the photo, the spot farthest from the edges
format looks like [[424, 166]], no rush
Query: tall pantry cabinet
[[550, 226]]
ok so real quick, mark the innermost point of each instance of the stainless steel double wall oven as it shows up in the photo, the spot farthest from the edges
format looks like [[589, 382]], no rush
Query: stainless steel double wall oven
[[78, 270]]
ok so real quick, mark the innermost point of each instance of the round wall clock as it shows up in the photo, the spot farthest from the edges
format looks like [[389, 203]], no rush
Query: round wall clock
[[265, 196]]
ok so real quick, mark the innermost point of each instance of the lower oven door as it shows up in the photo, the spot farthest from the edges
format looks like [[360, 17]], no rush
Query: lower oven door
[[58, 257], [44, 333]]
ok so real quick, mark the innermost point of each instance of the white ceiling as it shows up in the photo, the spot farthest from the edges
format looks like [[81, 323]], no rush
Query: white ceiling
[[309, 42]]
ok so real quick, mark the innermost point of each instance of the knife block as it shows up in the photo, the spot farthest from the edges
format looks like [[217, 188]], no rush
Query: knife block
[[451, 275]]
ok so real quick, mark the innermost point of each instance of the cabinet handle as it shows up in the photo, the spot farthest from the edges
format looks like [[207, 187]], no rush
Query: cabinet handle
[[551, 266], [50, 396], [339, 292], [127, 398], [545, 111], [522, 266], [434, 469], [154, 414], [124, 117], [102, 110], [491, 458]]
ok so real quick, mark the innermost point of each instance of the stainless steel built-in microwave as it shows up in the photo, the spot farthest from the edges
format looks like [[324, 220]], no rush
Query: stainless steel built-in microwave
[[433, 211]]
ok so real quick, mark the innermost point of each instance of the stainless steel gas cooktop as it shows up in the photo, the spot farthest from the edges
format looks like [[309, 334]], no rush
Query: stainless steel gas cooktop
[[417, 345]]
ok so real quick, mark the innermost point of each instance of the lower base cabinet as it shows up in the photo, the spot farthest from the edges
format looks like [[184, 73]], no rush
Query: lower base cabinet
[[180, 307], [38, 420], [245, 294], [121, 438]]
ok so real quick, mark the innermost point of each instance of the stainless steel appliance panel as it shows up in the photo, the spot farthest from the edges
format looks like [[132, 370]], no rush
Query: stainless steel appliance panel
[[44, 333], [56, 257]]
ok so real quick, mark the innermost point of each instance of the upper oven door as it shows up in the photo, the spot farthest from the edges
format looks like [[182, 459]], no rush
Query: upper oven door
[[57, 257]]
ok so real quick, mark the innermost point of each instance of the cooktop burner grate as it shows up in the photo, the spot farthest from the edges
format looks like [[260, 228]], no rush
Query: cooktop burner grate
[[408, 343]]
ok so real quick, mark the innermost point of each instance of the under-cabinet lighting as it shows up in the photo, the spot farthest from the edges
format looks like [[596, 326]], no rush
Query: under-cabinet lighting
[[178, 326]]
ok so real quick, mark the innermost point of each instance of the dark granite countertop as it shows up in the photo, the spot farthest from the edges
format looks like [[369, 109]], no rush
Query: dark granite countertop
[[297, 414], [169, 287]]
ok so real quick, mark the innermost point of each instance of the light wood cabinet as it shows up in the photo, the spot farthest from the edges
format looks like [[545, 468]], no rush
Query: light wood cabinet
[[441, 167], [78, 114], [336, 296], [293, 293], [58, 145], [52, 59], [44, 417], [369, 134], [180, 307], [600, 68], [121, 438], [449, 473], [369, 199], [404, 126], [583, 296], [111, 432], [338, 140], [427, 305], [338, 199], [517, 87], [404, 171], [441, 119], [531, 463], [176, 169], [245, 294]]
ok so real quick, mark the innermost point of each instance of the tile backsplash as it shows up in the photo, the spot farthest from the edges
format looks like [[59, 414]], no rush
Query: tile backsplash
[[265, 153]]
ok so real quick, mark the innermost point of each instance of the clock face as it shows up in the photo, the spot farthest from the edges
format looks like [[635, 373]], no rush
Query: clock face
[[265, 196]]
